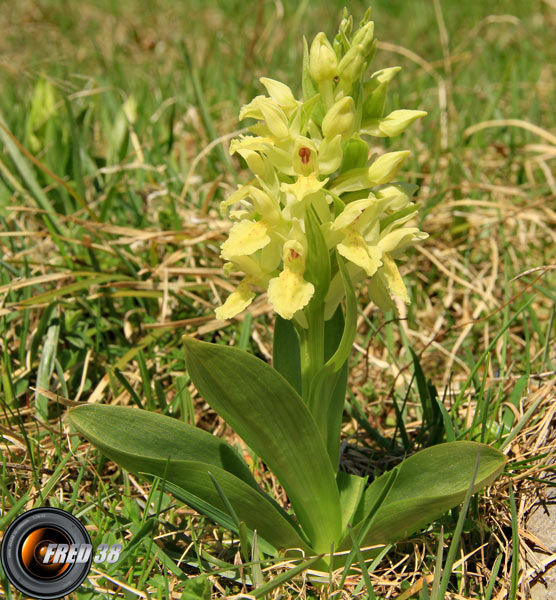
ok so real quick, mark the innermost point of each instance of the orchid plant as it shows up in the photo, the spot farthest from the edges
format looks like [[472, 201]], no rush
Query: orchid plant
[[317, 217]]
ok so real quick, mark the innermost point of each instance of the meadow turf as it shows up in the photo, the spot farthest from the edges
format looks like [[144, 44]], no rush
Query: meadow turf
[[115, 120]]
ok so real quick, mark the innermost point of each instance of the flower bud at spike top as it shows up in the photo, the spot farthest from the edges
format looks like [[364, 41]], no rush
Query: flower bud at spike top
[[340, 119], [365, 36], [387, 166], [323, 63], [351, 65]]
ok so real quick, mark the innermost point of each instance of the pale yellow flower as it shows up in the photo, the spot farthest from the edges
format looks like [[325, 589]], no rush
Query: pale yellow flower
[[269, 111], [236, 302], [281, 94], [323, 63], [393, 124], [351, 223], [245, 238], [289, 292]]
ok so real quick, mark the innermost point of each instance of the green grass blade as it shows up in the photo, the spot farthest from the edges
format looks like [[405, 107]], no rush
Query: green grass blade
[[364, 571], [240, 525], [373, 566], [515, 546], [243, 342], [492, 344], [46, 364], [284, 577], [432, 406], [454, 545], [522, 422], [256, 571], [357, 536], [493, 575], [438, 567], [51, 295]]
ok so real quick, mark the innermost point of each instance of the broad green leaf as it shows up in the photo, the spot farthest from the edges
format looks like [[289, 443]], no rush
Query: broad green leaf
[[328, 416], [157, 436], [428, 484], [214, 514], [285, 352], [351, 489], [272, 419], [146, 442]]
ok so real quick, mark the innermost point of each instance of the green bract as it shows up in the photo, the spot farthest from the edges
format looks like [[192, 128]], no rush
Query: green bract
[[316, 218]]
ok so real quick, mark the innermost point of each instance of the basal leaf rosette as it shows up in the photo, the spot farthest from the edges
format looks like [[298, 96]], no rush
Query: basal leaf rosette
[[310, 156]]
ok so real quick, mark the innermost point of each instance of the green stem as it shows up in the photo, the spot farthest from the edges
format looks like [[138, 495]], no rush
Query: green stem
[[312, 349], [326, 90]]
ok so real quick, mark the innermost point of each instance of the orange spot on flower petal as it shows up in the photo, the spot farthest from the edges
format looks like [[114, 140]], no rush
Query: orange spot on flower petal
[[305, 154]]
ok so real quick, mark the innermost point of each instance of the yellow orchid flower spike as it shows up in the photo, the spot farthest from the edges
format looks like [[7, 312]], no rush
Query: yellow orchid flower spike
[[316, 193]]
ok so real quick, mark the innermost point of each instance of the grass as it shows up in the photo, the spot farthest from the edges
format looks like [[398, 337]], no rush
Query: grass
[[113, 160]]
